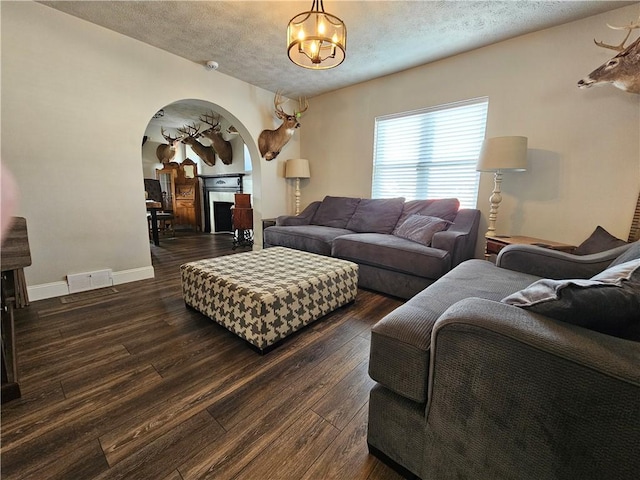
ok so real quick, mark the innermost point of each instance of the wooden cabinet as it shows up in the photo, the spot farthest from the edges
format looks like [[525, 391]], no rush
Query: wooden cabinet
[[186, 212], [185, 193]]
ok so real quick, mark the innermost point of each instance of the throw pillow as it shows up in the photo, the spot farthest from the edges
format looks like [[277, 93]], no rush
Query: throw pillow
[[599, 241], [376, 215], [421, 228], [335, 211], [608, 302], [445, 208]]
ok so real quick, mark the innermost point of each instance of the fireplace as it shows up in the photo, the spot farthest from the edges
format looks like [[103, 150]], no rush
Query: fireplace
[[222, 221], [219, 195]]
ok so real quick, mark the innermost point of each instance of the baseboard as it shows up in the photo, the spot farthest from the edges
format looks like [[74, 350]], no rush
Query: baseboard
[[60, 289], [47, 290], [133, 275]]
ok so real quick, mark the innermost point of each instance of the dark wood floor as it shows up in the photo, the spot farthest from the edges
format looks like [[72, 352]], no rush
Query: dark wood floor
[[131, 384]]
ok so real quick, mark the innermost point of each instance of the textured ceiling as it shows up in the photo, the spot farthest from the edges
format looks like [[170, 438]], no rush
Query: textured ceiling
[[247, 38]]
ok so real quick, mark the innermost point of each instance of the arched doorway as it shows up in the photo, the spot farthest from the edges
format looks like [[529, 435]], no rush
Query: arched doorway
[[197, 116]]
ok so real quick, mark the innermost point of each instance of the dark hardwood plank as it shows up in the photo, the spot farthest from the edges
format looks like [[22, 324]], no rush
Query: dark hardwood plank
[[347, 456], [86, 461], [132, 384], [294, 451], [261, 426], [342, 402], [168, 451]]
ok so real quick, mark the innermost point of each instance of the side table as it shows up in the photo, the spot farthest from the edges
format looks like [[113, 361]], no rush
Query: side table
[[242, 218], [497, 243]]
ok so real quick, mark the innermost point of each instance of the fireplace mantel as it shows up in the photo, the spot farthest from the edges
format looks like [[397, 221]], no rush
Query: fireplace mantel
[[221, 187]]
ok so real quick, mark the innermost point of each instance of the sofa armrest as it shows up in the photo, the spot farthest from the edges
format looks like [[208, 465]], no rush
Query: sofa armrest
[[547, 263], [461, 237], [304, 218], [514, 394]]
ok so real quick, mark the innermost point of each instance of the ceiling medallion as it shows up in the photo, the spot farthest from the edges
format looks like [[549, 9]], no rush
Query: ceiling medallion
[[316, 40]]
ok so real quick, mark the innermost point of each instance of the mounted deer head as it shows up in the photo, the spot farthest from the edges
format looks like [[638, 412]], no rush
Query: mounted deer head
[[191, 134], [220, 145], [166, 151], [623, 70], [270, 142]]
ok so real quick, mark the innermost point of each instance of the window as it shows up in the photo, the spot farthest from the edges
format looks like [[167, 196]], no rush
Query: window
[[430, 153]]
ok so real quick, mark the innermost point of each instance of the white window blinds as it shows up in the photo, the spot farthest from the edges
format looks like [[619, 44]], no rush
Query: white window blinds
[[430, 153]]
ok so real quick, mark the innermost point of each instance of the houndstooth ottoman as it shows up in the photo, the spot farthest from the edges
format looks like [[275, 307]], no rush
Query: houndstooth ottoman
[[266, 295]]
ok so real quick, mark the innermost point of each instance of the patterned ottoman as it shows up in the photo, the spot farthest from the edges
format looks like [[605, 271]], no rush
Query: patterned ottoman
[[266, 295]]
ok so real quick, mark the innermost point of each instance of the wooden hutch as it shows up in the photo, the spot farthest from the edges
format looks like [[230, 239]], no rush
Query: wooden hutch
[[180, 183]]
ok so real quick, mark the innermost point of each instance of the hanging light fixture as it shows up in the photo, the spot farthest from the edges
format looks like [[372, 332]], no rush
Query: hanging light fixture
[[316, 39]]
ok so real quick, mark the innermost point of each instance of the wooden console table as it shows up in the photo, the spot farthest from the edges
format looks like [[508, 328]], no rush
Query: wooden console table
[[15, 255], [495, 244]]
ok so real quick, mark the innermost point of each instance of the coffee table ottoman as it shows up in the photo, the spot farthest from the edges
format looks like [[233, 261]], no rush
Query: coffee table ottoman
[[266, 295]]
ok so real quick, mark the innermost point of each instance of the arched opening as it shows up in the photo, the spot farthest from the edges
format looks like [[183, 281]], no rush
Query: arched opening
[[201, 144]]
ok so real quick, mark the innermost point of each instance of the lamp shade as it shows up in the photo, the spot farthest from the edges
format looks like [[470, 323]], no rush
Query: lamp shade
[[297, 168], [503, 153]]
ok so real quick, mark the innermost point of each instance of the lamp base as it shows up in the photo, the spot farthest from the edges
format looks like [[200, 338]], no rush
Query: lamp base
[[297, 194], [494, 200]]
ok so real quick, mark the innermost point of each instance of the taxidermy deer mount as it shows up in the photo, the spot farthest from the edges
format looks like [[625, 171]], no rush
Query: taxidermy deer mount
[[190, 137], [623, 70], [270, 142], [166, 151], [219, 144]]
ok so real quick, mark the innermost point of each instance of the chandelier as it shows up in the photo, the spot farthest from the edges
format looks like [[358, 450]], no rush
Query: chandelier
[[316, 39]]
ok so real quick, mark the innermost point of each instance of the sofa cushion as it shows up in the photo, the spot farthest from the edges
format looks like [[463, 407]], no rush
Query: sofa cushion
[[335, 211], [445, 208], [310, 238], [376, 215], [608, 302], [599, 241], [400, 341], [392, 253], [421, 228]]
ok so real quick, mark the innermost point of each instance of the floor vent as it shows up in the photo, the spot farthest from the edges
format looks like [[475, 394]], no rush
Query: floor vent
[[80, 282]]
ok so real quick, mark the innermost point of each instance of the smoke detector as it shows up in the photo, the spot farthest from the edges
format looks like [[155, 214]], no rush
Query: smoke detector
[[211, 65]]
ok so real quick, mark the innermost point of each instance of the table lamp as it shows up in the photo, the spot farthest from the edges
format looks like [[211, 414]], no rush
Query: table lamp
[[297, 168], [497, 155]]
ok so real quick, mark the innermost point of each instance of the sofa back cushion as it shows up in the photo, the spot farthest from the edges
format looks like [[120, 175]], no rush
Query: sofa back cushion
[[335, 211], [376, 215], [445, 208]]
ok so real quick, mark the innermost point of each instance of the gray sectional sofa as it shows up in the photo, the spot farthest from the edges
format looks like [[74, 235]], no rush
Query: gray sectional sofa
[[485, 376], [378, 234]]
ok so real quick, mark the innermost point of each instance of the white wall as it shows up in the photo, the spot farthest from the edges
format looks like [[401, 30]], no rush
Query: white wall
[[584, 157], [76, 99]]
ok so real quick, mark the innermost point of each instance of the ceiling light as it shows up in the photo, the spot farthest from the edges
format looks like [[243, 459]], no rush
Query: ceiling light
[[316, 39]]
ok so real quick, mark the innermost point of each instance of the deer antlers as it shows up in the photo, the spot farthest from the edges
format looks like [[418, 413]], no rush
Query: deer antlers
[[211, 119], [170, 140], [190, 130], [303, 104], [619, 48]]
